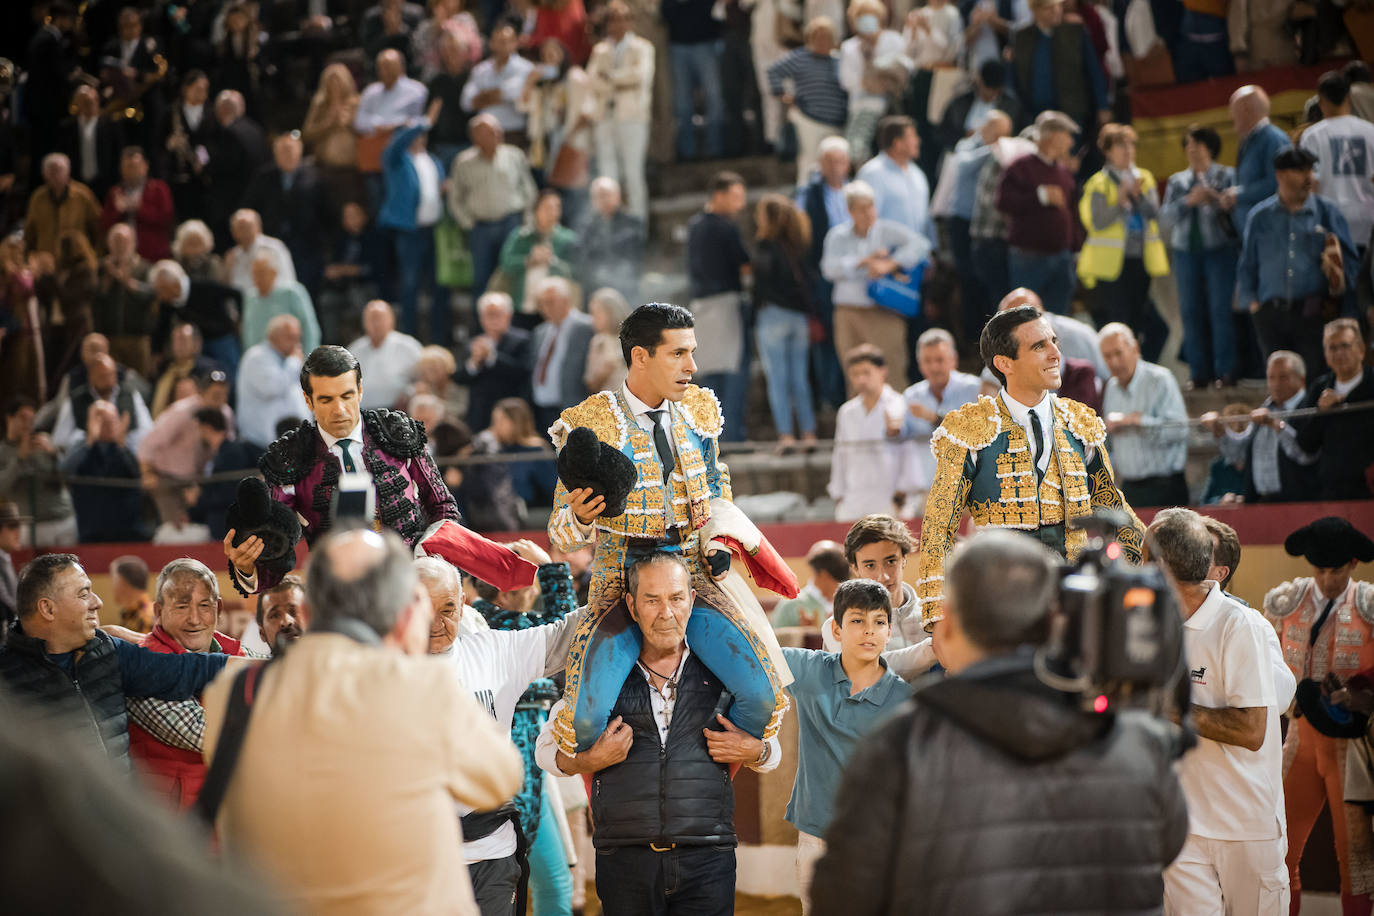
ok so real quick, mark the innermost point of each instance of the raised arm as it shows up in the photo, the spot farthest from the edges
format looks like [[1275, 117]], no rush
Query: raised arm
[[944, 508]]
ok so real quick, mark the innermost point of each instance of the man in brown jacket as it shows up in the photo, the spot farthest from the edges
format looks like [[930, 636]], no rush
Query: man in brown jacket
[[60, 204]]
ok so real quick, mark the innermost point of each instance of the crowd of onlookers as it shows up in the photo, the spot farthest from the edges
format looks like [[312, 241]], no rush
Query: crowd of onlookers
[[196, 224]]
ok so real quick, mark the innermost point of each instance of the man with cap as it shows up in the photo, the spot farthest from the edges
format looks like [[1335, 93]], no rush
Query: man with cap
[[1325, 623], [1297, 263]]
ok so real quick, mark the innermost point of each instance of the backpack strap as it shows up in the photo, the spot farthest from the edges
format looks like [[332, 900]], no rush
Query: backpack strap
[[227, 750]]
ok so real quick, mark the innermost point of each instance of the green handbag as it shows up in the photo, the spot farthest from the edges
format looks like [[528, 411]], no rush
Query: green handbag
[[452, 257]]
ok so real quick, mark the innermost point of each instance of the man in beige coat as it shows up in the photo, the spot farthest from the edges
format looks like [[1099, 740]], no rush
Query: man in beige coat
[[358, 746]]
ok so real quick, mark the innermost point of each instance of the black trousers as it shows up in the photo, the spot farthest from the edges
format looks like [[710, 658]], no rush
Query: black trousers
[[684, 881], [1163, 490]]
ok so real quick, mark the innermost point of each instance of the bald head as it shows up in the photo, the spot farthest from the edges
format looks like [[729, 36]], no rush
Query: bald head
[[1249, 105], [995, 126], [93, 345], [1019, 297], [378, 321], [103, 374], [390, 66], [284, 334]]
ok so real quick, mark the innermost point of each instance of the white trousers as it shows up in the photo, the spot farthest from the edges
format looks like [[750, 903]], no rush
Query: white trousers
[[809, 850], [620, 150], [1227, 878], [809, 136]]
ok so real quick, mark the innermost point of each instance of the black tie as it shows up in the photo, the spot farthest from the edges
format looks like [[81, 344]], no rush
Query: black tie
[[1317, 627], [349, 466], [1039, 432], [665, 451]]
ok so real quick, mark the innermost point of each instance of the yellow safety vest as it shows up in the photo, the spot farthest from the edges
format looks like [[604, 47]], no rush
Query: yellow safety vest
[[1104, 251]]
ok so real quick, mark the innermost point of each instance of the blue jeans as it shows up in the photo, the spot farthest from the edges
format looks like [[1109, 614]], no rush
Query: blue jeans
[[1050, 276], [415, 264], [697, 66], [485, 240], [686, 881], [784, 338], [550, 880], [1203, 52], [1206, 287]]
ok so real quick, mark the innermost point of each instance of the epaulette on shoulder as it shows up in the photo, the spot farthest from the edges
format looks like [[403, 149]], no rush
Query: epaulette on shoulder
[[1282, 599], [396, 433], [972, 426], [701, 410], [1364, 600], [600, 413], [290, 457], [1081, 420]]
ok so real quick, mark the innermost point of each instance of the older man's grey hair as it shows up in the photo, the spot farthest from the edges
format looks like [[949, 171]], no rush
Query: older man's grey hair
[[181, 569], [496, 300], [1179, 539], [833, 145], [856, 191], [933, 337], [360, 575], [1293, 361], [999, 584], [434, 571]]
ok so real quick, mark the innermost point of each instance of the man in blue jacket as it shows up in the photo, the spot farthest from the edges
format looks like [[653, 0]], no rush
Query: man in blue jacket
[[72, 673], [413, 205], [1260, 142]]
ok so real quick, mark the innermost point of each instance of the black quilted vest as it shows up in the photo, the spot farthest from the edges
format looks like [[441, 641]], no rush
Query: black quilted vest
[[666, 795], [90, 705]]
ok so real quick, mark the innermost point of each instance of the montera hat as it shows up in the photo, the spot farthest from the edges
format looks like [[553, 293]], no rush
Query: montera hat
[[1330, 542], [586, 461], [256, 514], [1331, 719]]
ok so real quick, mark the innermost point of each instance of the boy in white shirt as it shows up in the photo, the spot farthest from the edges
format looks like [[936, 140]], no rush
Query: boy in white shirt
[[874, 466]]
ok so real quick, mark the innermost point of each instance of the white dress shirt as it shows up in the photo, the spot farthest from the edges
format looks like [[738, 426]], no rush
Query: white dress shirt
[[388, 368], [269, 391], [86, 127], [868, 469], [380, 108], [510, 79], [431, 205], [354, 441]]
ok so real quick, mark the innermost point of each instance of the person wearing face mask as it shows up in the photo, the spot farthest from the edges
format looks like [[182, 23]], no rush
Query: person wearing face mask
[[873, 68], [558, 97]]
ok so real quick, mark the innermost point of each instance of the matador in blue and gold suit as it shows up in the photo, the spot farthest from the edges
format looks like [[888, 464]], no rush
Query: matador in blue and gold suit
[[983, 464], [671, 512]]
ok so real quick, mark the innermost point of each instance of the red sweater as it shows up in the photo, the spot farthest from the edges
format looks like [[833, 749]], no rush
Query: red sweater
[[172, 771], [1031, 225], [153, 221]]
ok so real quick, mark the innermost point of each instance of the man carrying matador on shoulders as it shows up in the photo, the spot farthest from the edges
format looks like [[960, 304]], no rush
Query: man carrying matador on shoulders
[[640, 472], [1024, 459]]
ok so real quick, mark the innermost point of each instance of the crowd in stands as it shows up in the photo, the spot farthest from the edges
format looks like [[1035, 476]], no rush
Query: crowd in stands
[[462, 200]]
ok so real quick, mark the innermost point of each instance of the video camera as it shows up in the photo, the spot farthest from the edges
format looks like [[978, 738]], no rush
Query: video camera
[[1116, 636]]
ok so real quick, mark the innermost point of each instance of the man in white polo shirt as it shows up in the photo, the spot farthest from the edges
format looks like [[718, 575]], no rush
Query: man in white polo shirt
[[1233, 861]]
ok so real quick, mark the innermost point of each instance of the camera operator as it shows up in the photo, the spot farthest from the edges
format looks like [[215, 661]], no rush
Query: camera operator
[[1233, 779], [998, 773]]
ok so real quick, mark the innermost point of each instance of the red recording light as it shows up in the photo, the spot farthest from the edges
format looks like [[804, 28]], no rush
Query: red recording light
[[1113, 551], [1100, 704]]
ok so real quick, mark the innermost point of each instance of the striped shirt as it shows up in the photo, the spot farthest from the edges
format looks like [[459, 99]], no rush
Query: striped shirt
[[816, 79]]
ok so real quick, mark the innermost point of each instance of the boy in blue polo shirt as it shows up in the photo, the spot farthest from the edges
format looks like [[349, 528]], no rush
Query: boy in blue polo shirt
[[840, 697]]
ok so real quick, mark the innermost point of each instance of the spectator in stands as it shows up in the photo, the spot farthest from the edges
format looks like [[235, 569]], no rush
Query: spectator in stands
[[1344, 147], [856, 253], [512, 426], [989, 27], [353, 275], [1260, 141], [413, 205], [434, 372], [446, 17], [21, 344], [822, 199], [142, 202], [541, 248], [988, 231], [129, 592], [166, 737], [208, 503], [194, 249], [716, 263], [241, 59], [28, 471], [392, 101], [813, 604], [1356, 73], [65, 287], [1204, 258], [122, 307], [499, 361], [61, 204], [250, 241], [105, 513], [78, 676], [1297, 255], [694, 49], [386, 355], [900, 189], [495, 85], [328, 133], [1123, 250], [91, 142], [561, 105], [807, 81], [449, 135], [103, 385], [872, 68], [172, 452], [610, 242], [398, 848], [237, 150], [942, 388], [1346, 440], [184, 361], [1261, 36], [933, 34], [1146, 423], [1265, 447], [274, 295], [1055, 67], [872, 470], [1037, 196], [489, 192], [269, 383], [293, 205], [390, 24], [782, 297], [622, 74], [10, 541], [1203, 51], [967, 112], [187, 144], [606, 369], [560, 347]]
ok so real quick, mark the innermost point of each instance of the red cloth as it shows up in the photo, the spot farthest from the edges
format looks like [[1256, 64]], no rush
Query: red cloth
[[766, 567], [173, 772], [153, 220], [1079, 382], [568, 25], [480, 557]]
